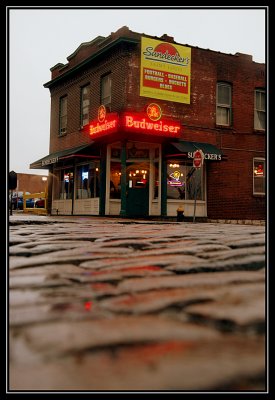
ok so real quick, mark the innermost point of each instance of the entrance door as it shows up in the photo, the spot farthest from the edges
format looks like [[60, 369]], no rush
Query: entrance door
[[137, 197]]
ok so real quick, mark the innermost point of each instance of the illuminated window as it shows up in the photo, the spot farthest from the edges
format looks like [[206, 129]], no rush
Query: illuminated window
[[63, 184], [63, 116], [85, 105], [259, 176], [223, 104], [106, 90], [184, 182], [259, 110]]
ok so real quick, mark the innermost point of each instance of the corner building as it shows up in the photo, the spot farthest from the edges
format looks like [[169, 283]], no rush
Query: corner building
[[129, 113]]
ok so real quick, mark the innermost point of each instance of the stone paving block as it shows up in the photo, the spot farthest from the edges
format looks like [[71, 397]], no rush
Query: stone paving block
[[156, 259], [253, 262], [51, 269], [56, 310], [244, 305], [157, 300], [36, 281], [233, 253], [189, 280], [33, 248], [254, 241], [62, 337], [170, 365], [117, 273]]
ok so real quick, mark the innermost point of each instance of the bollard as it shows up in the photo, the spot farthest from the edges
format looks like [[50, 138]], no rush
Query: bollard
[[180, 213]]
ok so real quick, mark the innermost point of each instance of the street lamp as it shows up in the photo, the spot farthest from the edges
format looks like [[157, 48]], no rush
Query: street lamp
[[44, 179]]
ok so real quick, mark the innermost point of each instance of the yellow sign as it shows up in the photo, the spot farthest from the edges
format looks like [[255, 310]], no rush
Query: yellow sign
[[165, 71]]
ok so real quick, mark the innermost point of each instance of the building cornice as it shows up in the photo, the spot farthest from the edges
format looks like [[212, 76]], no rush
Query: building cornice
[[94, 56]]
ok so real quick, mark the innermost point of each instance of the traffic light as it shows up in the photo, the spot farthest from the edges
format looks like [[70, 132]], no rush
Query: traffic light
[[12, 180]]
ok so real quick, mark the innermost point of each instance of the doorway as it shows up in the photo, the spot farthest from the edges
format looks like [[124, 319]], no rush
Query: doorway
[[137, 194]]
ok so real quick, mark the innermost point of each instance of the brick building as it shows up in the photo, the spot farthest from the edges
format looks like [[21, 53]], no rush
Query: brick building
[[131, 116], [31, 183]]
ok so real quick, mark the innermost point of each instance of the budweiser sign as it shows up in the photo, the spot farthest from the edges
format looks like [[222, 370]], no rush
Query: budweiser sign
[[150, 122], [105, 123], [141, 123]]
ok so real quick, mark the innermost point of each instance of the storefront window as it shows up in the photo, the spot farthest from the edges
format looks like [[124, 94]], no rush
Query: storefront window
[[115, 180], [87, 180], [259, 176], [194, 183], [176, 183], [184, 182], [64, 184]]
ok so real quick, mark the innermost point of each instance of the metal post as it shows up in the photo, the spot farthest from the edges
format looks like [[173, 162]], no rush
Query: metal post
[[11, 203], [195, 202]]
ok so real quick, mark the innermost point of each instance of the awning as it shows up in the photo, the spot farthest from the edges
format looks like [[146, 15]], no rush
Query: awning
[[43, 163], [184, 148]]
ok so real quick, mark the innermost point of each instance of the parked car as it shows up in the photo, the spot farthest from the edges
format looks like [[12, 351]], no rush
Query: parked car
[[29, 203], [17, 201], [39, 203]]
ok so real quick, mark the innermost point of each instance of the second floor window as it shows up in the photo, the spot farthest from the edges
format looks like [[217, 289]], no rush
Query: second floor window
[[259, 110], [85, 105], [106, 89], [223, 104], [63, 116]]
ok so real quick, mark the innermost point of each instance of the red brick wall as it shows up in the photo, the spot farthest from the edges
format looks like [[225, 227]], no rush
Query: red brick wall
[[117, 64], [30, 183]]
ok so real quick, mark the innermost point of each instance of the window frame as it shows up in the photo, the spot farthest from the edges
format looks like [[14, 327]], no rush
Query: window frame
[[191, 183], [62, 130], [82, 107], [226, 106], [106, 100], [256, 110], [263, 161]]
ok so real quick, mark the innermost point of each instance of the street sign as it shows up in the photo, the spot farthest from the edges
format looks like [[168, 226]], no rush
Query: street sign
[[198, 158]]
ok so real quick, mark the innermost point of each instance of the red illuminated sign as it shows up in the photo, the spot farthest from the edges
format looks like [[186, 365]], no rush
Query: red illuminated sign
[[141, 123], [154, 111], [109, 125], [150, 123], [198, 158], [101, 113]]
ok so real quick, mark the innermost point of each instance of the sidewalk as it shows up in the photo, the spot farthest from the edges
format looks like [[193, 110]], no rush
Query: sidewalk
[[104, 304]]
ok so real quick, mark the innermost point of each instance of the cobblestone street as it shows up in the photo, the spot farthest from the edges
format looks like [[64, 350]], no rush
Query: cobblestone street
[[105, 304]]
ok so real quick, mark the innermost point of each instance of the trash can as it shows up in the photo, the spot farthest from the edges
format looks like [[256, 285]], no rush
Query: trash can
[[180, 213]]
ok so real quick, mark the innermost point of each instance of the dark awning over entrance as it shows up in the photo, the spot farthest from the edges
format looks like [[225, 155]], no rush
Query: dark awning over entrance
[[184, 148], [43, 163]]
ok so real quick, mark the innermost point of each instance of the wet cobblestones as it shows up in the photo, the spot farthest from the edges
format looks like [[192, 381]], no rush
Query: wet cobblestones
[[111, 304]]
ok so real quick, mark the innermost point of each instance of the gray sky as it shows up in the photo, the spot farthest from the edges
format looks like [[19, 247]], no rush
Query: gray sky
[[40, 38]]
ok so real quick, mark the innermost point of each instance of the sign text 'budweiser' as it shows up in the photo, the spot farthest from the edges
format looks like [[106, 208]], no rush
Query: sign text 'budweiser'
[[150, 123]]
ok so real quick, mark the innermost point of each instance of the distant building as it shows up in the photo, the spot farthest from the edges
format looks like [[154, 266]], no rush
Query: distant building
[[31, 183], [130, 111]]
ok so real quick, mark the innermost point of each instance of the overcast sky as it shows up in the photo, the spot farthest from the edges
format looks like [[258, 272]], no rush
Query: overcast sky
[[40, 38]]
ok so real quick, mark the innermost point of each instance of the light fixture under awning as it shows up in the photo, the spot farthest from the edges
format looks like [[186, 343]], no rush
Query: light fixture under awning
[[52, 158]]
